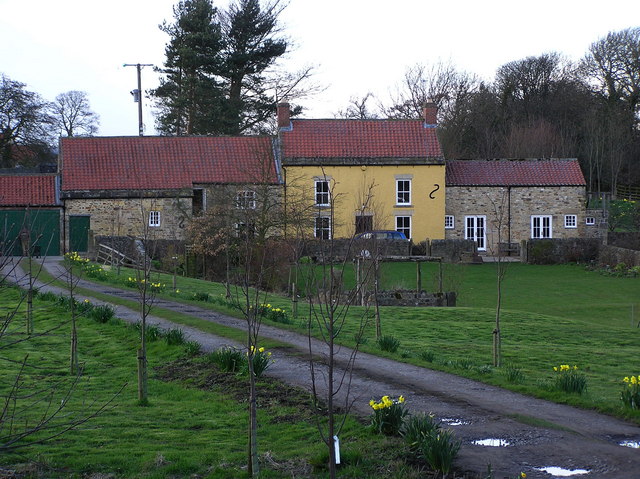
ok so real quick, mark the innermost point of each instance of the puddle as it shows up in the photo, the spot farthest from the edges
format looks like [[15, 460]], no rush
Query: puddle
[[452, 421], [491, 442], [560, 472], [633, 444]]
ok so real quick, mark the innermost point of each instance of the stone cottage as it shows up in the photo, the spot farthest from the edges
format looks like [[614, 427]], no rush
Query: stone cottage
[[505, 201], [151, 186]]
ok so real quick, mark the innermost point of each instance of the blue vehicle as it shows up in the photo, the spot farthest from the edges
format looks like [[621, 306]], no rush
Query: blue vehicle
[[381, 235]]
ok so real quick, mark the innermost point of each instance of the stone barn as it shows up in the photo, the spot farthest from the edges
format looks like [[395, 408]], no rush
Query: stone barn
[[498, 203]]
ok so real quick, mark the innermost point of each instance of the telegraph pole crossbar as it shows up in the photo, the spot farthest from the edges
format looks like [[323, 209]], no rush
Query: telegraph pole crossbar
[[137, 94]]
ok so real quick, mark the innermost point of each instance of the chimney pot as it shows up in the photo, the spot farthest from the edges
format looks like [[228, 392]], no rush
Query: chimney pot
[[284, 115], [430, 113]]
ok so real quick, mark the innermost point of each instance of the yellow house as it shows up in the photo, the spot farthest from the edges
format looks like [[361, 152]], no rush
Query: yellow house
[[363, 175]]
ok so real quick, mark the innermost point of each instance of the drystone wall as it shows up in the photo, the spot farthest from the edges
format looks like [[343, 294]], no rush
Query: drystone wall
[[613, 255], [561, 250]]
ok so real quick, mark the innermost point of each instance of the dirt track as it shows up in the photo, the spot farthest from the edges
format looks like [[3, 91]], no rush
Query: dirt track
[[571, 439]]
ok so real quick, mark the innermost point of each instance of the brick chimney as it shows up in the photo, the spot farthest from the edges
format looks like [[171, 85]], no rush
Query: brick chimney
[[284, 114], [430, 113]]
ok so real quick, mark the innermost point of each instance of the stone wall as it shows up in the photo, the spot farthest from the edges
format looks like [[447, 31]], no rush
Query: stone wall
[[130, 217], [561, 250], [512, 208], [613, 255], [452, 250], [629, 240], [411, 298]]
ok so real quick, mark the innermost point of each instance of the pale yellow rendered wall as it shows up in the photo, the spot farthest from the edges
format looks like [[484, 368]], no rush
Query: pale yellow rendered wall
[[352, 184]]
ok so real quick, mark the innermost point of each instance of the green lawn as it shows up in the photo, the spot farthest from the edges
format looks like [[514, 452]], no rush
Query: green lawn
[[195, 425]]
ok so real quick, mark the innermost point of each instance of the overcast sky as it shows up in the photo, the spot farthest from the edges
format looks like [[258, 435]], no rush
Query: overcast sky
[[356, 46]]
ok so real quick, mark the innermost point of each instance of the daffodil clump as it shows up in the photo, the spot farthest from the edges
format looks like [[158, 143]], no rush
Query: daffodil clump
[[631, 392], [388, 415], [91, 270], [261, 359], [271, 313], [569, 379], [140, 283], [75, 258]]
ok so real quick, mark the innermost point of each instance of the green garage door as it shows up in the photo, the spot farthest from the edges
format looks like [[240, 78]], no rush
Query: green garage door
[[79, 233], [43, 226]]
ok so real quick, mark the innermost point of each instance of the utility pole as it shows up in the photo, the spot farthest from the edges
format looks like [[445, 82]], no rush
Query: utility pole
[[137, 94]]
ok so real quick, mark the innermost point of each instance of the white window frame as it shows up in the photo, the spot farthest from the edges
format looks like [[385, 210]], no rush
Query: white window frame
[[154, 219], [319, 228], [404, 228], [403, 191], [246, 200], [590, 220], [475, 228], [449, 222], [570, 221], [540, 230], [322, 197]]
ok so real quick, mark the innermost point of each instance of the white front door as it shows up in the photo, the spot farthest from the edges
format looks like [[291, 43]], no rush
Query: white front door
[[475, 230]]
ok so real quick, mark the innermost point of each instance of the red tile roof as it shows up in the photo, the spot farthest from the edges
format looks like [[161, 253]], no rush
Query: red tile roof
[[28, 190], [514, 173], [360, 139], [115, 163]]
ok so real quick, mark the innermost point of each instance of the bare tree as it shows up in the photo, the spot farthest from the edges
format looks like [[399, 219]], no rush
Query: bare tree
[[258, 217], [73, 272], [147, 290], [329, 307], [25, 124], [359, 109], [499, 222], [72, 116], [612, 66], [440, 83]]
